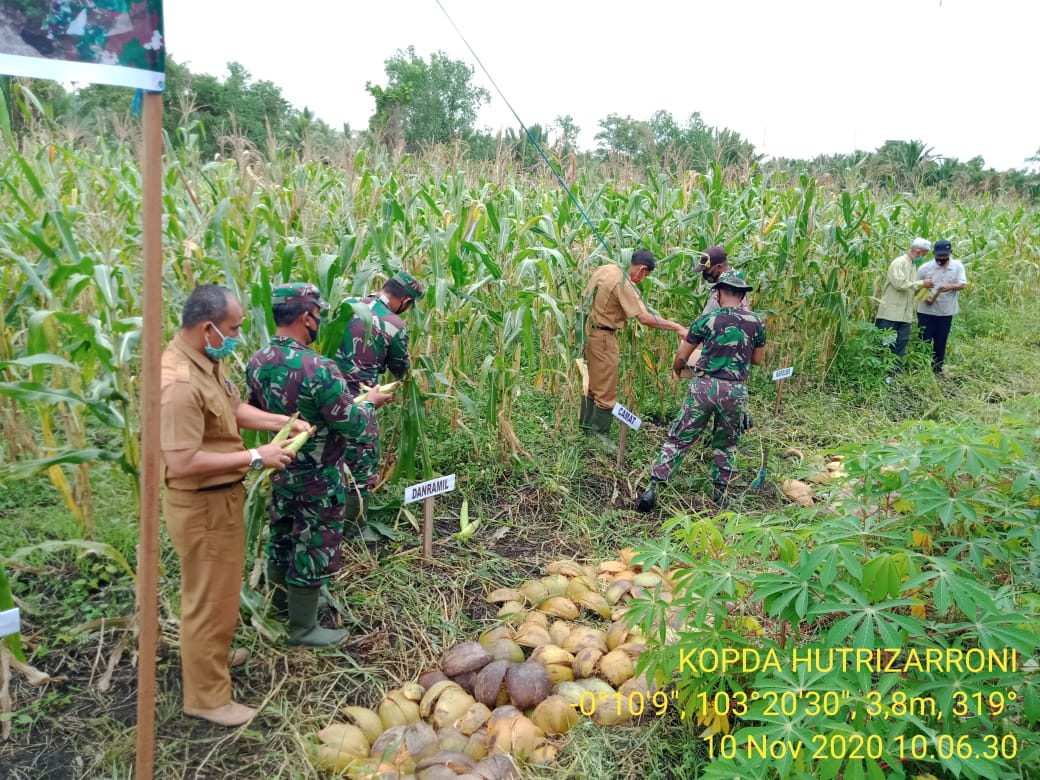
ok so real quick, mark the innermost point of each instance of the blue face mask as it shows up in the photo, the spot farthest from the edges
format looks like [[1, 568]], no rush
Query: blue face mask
[[227, 346]]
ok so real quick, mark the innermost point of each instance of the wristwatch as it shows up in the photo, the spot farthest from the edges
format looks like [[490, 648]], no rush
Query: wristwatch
[[257, 462]]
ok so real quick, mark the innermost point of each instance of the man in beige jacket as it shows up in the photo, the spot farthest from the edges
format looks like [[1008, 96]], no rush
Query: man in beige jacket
[[896, 311]]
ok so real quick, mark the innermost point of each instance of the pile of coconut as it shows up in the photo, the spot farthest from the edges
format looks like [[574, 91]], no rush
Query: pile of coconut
[[561, 648]]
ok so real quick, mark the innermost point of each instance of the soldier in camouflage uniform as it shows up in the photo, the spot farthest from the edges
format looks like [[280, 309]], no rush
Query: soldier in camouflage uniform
[[733, 340], [376, 341], [311, 498]]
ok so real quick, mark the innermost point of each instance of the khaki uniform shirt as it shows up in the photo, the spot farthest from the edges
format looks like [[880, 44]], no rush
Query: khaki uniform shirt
[[897, 297], [615, 298], [197, 411]]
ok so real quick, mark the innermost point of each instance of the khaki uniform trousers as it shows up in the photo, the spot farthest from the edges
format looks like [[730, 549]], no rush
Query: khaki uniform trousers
[[208, 533], [602, 356]]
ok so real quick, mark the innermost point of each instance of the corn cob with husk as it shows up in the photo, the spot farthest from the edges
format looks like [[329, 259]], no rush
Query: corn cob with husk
[[294, 446], [388, 388]]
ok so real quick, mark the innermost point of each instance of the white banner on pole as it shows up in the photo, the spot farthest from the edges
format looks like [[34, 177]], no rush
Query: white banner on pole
[[119, 43], [433, 487]]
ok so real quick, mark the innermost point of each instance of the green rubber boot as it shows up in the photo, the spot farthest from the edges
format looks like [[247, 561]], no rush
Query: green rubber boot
[[585, 418], [303, 620], [601, 421], [279, 597]]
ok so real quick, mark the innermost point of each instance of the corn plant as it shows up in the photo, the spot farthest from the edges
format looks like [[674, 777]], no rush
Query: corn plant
[[504, 256]]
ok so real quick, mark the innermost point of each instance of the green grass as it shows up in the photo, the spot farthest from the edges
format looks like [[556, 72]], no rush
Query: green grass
[[566, 500]]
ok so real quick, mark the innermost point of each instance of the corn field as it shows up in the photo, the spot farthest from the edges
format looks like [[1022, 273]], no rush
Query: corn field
[[505, 257]]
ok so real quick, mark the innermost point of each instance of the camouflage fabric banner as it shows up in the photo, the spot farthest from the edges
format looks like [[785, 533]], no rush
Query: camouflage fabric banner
[[84, 41]]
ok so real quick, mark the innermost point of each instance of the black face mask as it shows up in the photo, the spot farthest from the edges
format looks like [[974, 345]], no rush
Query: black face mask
[[313, 332]]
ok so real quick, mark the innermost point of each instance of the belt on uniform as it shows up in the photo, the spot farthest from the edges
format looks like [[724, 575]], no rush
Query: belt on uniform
[[702, 375], [221, 486], [602, 327]]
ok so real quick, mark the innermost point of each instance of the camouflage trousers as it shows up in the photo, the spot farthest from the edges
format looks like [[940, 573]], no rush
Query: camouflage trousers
[[306, 534], [706, 398]]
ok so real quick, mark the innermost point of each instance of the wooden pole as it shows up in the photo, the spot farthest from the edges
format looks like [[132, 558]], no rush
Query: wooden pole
[[151, 349], [779, 391], [427, 528], [622, 441]]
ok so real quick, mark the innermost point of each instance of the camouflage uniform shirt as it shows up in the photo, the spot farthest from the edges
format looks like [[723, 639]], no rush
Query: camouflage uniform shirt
[[729, 336], [370, 348], [716, 393], [288, 377]]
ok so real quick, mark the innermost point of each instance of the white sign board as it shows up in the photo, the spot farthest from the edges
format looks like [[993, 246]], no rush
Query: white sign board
[[433, 487], [9, 622], [627, 417], [782, 373]]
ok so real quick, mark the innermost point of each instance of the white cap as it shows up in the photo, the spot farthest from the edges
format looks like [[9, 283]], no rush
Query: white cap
[[922, 243]]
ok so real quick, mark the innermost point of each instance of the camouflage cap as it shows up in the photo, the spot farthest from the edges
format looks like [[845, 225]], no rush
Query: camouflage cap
[[733, 278], [298, 292], [410, 283]]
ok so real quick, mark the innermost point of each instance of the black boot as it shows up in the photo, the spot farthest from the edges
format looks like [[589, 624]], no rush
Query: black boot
[[648, 500]]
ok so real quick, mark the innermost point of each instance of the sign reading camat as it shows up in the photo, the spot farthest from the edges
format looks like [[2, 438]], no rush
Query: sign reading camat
[[433, 487], [627, 417], [782, 373]]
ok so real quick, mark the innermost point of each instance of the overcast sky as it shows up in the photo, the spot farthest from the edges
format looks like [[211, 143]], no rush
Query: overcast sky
[[797, 78]]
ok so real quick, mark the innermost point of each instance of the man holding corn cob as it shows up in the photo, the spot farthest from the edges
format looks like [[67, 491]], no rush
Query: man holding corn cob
[[316, 495], [896, 310], [733, 340], [376, 341], [613, 299], [205, 462]]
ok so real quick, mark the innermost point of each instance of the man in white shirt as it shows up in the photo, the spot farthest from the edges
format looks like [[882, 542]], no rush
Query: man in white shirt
[[936, 310]]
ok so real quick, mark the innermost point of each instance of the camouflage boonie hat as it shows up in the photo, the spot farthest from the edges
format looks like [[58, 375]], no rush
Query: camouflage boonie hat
[[410, 283], [298, 292], [733, 278]]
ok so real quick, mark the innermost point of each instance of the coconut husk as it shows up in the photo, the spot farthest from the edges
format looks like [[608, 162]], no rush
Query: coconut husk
[[797, 491]]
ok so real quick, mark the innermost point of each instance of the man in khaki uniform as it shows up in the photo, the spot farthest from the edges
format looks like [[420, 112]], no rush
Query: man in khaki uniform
[[896, 309], [205, 462], [614, 299]]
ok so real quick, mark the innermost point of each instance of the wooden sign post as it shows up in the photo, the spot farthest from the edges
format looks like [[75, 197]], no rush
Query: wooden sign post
[[425, 491], [779, 376], [630, 420]]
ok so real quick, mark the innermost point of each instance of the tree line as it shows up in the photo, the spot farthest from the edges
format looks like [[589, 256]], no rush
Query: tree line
[[435, 101]]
